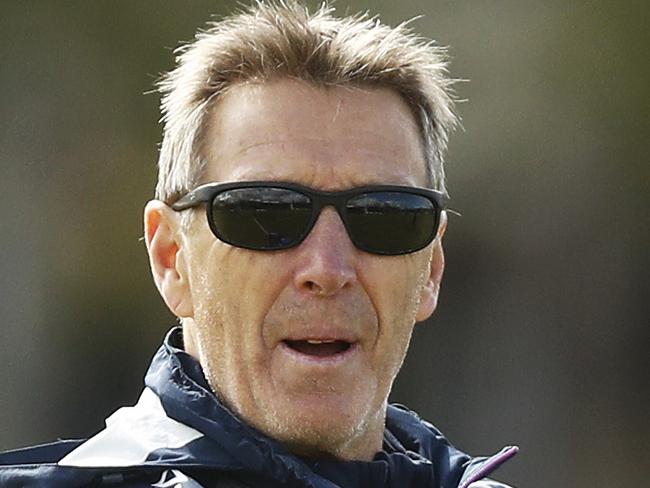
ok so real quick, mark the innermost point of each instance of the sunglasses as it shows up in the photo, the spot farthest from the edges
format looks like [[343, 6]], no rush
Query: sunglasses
[[269, 216]]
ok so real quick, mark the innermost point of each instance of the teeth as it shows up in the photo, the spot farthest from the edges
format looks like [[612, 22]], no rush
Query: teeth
[[314, 341]]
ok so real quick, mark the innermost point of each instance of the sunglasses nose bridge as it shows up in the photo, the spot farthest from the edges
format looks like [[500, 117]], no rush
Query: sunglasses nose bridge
[[323, 200], [325, 261]]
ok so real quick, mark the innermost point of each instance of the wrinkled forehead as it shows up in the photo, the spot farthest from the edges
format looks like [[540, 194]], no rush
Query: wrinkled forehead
[[289, 129]]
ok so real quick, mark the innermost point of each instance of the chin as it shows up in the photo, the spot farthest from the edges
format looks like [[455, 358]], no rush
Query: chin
[[322, 429], [324, 440]]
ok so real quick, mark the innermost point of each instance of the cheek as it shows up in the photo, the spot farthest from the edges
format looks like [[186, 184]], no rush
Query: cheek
[[234, 286], [395, 286], [232, 290]]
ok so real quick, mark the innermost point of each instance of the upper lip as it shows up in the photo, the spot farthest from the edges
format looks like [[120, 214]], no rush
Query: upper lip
[[322, 334]]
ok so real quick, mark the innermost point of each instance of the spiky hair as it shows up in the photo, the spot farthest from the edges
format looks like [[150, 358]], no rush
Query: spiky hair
[[272, 39]]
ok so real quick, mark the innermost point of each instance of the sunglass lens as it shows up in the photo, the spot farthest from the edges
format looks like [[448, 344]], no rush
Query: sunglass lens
[[391, 222], [263, 218]]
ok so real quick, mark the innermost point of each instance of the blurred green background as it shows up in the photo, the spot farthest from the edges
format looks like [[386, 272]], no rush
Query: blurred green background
[[541, 337]]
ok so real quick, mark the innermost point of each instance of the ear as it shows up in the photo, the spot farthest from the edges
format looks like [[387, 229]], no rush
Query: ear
[[166, 257], [429, 293]]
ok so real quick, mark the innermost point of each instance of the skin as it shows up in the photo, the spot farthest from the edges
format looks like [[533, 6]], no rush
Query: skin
[[238, 305]]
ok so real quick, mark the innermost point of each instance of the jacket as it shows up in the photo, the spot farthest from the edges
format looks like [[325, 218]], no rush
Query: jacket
[[180, 435]]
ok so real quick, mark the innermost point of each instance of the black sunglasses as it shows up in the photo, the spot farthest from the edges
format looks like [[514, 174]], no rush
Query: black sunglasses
[[267, 216]]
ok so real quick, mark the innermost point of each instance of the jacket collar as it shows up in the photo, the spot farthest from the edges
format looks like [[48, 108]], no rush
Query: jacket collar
[[179, 422]]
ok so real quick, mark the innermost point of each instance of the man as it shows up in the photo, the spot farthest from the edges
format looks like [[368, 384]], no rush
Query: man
[[297, 234]]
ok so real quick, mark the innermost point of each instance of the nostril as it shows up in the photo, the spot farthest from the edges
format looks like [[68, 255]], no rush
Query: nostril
[[328, 285], [311, 286]]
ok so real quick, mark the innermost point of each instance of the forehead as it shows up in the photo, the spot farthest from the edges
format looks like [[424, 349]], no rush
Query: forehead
[[325, 137]]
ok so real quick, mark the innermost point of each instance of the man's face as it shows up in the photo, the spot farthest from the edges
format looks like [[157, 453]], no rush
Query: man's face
[[255, 311]]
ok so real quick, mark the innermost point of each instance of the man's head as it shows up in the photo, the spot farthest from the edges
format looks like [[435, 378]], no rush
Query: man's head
[[304, 342]]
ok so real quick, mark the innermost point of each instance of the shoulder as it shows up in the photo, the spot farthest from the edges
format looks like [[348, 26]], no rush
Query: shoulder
[[54, 476], [452, 465]]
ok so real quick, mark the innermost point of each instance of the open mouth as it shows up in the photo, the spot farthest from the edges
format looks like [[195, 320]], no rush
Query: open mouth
[[318, 348]]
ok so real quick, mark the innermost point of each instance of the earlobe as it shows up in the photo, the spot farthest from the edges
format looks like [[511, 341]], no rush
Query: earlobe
[[431, 289], [166, 258]]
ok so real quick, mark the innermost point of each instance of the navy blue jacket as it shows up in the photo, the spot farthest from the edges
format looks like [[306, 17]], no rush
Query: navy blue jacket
[[179, 435]]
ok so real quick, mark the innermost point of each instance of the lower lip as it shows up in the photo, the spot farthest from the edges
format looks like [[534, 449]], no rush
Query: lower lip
[[332, 360]]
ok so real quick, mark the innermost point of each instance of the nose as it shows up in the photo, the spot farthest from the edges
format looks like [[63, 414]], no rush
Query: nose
[[325, 260]]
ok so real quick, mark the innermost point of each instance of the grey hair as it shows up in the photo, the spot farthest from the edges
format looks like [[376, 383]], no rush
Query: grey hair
[[282, 38]]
